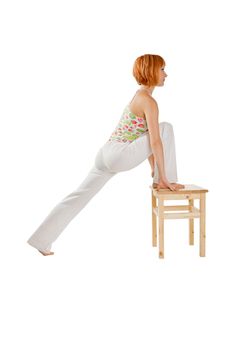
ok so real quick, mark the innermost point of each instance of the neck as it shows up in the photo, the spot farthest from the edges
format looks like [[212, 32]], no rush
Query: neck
[[149, 90]]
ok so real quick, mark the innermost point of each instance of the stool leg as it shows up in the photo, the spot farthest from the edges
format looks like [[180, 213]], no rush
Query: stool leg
[[202, 224], [161, 228], [154, 225], [191, 224]]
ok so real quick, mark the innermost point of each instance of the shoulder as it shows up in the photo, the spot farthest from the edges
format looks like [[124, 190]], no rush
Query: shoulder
[[148, 104], [150, 109], [145, 100], [142, 104]]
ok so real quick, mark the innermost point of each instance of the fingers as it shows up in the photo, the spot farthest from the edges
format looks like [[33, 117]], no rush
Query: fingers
[[172, 187]]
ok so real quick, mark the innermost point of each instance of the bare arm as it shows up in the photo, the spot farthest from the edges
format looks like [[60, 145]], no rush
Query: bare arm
[[152, 113], [152, 161], [157, 149]]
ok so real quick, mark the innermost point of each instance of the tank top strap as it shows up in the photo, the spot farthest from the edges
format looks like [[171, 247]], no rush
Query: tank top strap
[[133, 98]]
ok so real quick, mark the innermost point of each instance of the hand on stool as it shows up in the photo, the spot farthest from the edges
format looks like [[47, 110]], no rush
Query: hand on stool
[[162, 184]]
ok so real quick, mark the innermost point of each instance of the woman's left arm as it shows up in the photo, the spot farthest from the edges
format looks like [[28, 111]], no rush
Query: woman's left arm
[[151, 160]]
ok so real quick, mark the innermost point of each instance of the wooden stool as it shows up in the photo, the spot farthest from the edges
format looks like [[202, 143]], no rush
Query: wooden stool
[[162, 212]]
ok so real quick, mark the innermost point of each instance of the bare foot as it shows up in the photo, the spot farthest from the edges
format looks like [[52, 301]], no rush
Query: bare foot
[[46, 253], [177, 185]]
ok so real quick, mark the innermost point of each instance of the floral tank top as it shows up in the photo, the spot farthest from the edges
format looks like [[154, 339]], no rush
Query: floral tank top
[[129, 128]]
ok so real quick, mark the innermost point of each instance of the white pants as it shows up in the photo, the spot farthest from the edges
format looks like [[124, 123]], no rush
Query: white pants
[[113, 157]]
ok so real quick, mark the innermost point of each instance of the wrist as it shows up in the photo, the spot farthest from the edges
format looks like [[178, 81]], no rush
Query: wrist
[[163, 178]]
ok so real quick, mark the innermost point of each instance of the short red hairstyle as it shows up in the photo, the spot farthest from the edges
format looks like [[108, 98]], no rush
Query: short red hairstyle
[[146, 68]]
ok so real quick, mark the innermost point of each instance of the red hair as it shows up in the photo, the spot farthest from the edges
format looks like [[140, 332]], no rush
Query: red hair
[[146, 69]]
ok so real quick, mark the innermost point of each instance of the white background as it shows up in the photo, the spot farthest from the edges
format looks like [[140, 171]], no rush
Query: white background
[[66, 76]]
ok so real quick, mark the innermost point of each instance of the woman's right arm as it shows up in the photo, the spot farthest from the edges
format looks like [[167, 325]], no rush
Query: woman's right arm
[[157, 150], [152, 117]]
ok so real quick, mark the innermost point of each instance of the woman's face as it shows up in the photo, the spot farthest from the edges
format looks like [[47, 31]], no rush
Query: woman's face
[[162, 76]]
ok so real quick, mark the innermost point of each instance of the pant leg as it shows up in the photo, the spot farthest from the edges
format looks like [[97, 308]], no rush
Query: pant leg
[[168, 141], [70, 206], [125, 156], [122, 157], [113, 157]]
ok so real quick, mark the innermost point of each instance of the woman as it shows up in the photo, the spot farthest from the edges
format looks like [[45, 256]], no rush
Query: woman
[[137, 136]]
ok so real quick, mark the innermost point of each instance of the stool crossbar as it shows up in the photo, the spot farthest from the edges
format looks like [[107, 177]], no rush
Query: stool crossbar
[[161, 212]]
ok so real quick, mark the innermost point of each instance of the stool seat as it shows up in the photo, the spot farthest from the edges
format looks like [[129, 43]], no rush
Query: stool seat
[[189, 211]]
